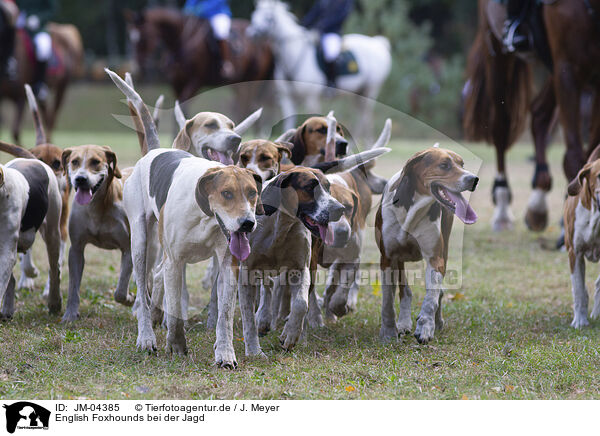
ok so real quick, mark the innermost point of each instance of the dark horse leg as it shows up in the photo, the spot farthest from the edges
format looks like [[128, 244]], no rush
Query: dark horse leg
[[595, 125], [543, 110], [16, 127], [568, 94], [52, 114]]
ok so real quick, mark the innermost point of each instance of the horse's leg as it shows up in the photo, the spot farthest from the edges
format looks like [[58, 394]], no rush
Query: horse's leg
[[503, 218], [595, 124], [568, 95], [542, 114], [16, 128]]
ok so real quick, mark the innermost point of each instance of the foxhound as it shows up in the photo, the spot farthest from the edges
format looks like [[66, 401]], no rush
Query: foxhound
[[582, 235], [198, 208], [97, 217], [30, 201], [413, 222]]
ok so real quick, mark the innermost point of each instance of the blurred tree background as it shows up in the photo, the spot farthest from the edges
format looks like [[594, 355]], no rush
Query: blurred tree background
[[429, 39]]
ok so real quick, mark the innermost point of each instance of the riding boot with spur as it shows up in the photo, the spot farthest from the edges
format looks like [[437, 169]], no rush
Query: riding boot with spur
[[227, 69], [514, 35], [40, 89]]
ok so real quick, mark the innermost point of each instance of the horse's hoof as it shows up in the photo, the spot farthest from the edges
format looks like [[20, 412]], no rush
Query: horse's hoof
[[536, 221]]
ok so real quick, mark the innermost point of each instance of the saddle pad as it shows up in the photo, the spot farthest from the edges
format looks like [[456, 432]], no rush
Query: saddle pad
[[345, 64]]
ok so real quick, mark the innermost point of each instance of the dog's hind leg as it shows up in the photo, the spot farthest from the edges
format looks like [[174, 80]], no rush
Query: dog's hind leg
[[28, 271], [173, 275], [404, 317], [51, 233], [596, 309], [122, 294], [263, 314], [8, 302], [389, 279], [298, 286], [246, 295], [580, 295]]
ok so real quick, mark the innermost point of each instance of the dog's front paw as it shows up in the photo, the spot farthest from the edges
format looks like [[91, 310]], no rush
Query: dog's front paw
[[225, 357], [579, 321], [157, 316], [125, 299], [339, 305], [425, 330], [289, 338], [146, 341], [54, 307], [177, 345], [26, 283], [5, 317], [70, 316], [404, 326], [388, 333]]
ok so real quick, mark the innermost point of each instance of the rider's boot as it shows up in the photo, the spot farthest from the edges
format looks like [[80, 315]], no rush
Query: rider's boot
[[515, 36], [227, 69], [40, 89]]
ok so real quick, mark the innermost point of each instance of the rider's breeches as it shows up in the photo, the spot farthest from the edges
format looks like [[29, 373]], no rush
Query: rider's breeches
[[221, 25], [43, 46], [332, 45]]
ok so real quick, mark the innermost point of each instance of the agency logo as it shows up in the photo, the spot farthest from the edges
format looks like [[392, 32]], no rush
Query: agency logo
[[26, 415]]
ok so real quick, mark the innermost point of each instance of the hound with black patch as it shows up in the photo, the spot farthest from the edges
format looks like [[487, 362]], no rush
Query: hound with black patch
[[197, 208], [582, 235], [29, 201], [413, 223]]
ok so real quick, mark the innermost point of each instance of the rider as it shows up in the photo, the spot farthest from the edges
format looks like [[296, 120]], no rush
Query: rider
[[10, 12], [34, 16], [217, 12], [327, 17], [515, 37]]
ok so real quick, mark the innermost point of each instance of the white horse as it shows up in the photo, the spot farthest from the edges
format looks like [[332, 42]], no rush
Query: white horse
[[297, 73]]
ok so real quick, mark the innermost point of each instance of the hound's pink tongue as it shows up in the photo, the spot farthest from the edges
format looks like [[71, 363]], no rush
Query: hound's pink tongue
[[239, 245], [83, 196], [463, 211], [220, 157], [326, 234]]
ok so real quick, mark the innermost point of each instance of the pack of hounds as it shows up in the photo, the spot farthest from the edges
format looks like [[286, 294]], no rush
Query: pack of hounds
[[265, 213]]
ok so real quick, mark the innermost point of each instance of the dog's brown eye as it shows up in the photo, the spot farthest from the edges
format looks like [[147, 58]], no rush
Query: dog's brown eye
[[211, 125], [244, 160], [55, 164], [227, 195], [445, 166], [264, 158], [95, 162], [322, 130], [75, 162]]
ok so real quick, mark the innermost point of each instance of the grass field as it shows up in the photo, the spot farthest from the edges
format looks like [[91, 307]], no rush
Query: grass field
[[507, 331]]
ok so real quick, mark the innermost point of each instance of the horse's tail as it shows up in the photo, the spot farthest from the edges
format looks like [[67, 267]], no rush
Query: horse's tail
[[497, 92], [69, 37], [15, 150], [150, 132], [40, 134]]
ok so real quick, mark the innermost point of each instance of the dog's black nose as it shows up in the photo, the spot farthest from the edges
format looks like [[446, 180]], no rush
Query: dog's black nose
[[336, 212], [247, 226], [80, 180], [341, 147], [473, 180], [234, 140]]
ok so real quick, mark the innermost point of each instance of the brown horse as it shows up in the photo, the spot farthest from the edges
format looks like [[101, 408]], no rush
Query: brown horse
[[67, 62], [499, 91], [192, 60]]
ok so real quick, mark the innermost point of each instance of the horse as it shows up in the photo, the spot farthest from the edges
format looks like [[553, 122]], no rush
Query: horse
[[500, 89], [297, 69], [192, 60], [66, 63]]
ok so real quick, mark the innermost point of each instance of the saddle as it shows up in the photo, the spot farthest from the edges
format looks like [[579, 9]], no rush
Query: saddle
[[56, 64], [532, 20], [345, 64]]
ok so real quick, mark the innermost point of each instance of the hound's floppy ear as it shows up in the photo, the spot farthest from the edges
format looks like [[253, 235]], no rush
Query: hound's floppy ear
[[203, 188], [355, 207], [284, 148], [1, 177], [259, 206], [298, 146], [183, 141], [271, 195], [576, 184], [111, 159], [64, 158], [407, 185]]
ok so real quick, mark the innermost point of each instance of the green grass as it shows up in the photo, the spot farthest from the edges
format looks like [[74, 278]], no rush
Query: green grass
[[508, 337]]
